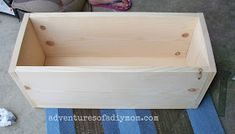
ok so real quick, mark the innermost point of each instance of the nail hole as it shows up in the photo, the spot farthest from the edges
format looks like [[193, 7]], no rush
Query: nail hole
[[42, 27], [200, 73], [177, 53], [185, 35], [50, 43], [192, 90], [27, 87]]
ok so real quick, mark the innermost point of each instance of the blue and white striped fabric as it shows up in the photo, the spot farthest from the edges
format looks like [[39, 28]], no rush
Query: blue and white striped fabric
[[204, 120]]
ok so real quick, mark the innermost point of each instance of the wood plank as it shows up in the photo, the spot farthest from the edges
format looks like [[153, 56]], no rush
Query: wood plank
[[206, 55], [115, 35], [31, 52], [116, 61], [112, 81], [113, 69], [197, 54], [116, 100], [200, 51], [208, 46], [15, 56], [72, 90], [18, 43]]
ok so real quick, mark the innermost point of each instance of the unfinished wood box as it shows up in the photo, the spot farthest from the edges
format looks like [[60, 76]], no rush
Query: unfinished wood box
[[113, 60]]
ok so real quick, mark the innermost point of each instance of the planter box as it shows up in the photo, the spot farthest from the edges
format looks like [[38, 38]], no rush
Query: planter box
[[113, 60]]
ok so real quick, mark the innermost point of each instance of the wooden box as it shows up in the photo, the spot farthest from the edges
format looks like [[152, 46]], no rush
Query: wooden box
[[113, 60]]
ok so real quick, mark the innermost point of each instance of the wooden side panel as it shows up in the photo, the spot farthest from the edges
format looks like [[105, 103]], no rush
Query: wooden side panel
[[201, 49], [14, 59], [114, 34], [208, 46], [113, 90], [31, 52], [197, 54], [116, 61]]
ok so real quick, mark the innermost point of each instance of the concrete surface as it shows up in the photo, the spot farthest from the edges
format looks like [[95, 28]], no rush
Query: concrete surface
[[229, 119], [29, 120], [220, 18]]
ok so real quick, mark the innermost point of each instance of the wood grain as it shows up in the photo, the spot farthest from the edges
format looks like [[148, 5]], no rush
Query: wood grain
[[75, 89], [115, 35], [15, 57], [84, 59], [116, 61], [31, 52]]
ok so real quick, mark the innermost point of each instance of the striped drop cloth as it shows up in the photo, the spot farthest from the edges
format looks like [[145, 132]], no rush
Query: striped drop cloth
[[203, 120]]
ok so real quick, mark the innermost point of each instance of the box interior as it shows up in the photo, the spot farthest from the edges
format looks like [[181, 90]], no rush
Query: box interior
[[113, 41]]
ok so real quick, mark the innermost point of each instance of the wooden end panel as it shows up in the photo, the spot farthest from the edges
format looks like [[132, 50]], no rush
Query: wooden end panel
[[31, 52]]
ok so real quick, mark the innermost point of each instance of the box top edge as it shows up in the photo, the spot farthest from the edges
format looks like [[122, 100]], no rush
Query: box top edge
[[19, 40], [104, 69], [206, 36], [83, 14]]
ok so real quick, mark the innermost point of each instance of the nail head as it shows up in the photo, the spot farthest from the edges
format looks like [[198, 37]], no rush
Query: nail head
[[192, 90], [27, 87], [42, 27], [177, 53], [50, 43], [185, 35]]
